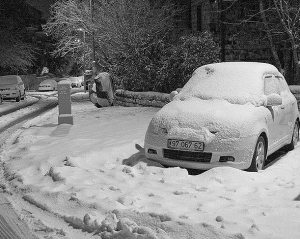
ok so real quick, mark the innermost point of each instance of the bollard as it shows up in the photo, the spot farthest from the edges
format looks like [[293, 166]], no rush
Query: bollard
[[64, 103]]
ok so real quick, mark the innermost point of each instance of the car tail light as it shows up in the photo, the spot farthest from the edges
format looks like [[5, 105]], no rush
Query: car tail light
[[224, 159]]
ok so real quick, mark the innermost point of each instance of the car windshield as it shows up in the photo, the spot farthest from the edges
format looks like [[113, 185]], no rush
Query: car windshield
[[8, 80], [237, 83]]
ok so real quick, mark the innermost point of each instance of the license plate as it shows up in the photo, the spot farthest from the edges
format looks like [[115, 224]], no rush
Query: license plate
[[185, 144]]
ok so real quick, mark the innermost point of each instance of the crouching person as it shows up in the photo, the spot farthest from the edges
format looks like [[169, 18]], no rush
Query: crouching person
[[102, 94]]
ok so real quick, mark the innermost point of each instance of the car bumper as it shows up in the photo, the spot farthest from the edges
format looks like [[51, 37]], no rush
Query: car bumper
[[241, 150], [10, 95], [45, 89]]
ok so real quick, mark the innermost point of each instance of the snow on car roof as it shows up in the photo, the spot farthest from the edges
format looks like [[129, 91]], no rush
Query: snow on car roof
[[236, 82]]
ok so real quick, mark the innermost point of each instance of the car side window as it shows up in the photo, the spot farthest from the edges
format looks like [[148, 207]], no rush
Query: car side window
[[271, 85], [283, 85]]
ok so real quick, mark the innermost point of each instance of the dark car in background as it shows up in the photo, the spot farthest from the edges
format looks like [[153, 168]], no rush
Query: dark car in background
[[76, 82]]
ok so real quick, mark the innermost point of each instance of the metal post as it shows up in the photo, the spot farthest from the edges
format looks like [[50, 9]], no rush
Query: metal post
[[84, 51], [64, 103]]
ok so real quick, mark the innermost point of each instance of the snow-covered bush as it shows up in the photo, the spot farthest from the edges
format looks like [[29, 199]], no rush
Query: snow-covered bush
[[138, 68], [191, 52], [155, 65]]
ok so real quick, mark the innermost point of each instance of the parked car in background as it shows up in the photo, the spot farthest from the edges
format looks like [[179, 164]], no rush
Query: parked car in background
[[228, 114], [88, 79], [12, 87], [48, 85], [76, 81]]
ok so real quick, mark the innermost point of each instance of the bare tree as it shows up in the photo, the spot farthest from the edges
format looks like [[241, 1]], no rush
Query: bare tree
[[278, 22], [69, 20], [16, 55], [117, 27], [288, 12], [268, 30]]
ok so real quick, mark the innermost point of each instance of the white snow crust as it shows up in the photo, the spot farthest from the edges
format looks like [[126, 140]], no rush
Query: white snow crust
[[236, 82]]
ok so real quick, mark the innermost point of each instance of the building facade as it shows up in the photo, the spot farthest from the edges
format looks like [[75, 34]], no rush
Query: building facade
[[239, 39]]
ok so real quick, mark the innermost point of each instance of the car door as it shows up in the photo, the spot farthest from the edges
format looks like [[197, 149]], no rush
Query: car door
[[275, 120], [289, 103]]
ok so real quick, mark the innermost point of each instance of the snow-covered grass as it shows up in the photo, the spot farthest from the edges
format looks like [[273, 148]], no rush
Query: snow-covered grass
[[95, 177]]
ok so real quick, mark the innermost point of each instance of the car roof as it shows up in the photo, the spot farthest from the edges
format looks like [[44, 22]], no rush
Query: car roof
[[9, 78], [247, 67], [237, 82]]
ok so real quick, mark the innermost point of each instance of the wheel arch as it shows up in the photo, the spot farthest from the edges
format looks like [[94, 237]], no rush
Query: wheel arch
[[264, 135]]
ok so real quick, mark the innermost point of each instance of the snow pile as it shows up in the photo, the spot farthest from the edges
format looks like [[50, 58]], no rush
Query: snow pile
[[94, 176]]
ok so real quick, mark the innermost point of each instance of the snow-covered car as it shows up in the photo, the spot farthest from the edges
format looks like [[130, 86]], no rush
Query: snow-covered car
[[76, 82], [228, 114], [48, 85], [12, 87]]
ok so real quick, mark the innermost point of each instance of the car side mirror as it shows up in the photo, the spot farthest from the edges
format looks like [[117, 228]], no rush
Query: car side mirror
[[172, 95], [274, 99]]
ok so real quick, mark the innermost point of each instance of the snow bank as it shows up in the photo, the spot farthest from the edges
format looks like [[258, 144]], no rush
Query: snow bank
[[131, 98]]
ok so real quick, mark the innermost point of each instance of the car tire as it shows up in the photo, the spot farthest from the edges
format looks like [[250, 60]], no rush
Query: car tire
[[259, 156], [295, 138], [24, 95], [19, 97]]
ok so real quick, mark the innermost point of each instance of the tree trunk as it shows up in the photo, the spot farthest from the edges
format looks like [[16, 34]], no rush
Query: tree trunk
[[272, 46], [284, 19]]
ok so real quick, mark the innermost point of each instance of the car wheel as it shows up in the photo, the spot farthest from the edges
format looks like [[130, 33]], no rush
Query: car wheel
[[19, 97], [259, 156], [24, 95], [295, 138]]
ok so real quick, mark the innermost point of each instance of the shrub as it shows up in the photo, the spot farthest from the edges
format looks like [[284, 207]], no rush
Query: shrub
[[191, 52], [154, 65]]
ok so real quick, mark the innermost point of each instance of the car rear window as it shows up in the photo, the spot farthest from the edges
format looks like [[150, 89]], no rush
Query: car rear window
[[7, 80]]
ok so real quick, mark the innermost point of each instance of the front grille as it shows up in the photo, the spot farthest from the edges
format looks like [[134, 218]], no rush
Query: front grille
[[187, 155]]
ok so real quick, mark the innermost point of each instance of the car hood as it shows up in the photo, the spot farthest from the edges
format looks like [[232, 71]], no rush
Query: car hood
[[198, 119]]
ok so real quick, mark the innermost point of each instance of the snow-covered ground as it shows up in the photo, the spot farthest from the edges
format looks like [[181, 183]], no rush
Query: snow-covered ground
[[92, 176]]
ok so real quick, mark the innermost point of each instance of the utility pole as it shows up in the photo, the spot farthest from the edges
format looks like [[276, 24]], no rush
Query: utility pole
[[93, 33], [221, 29]]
